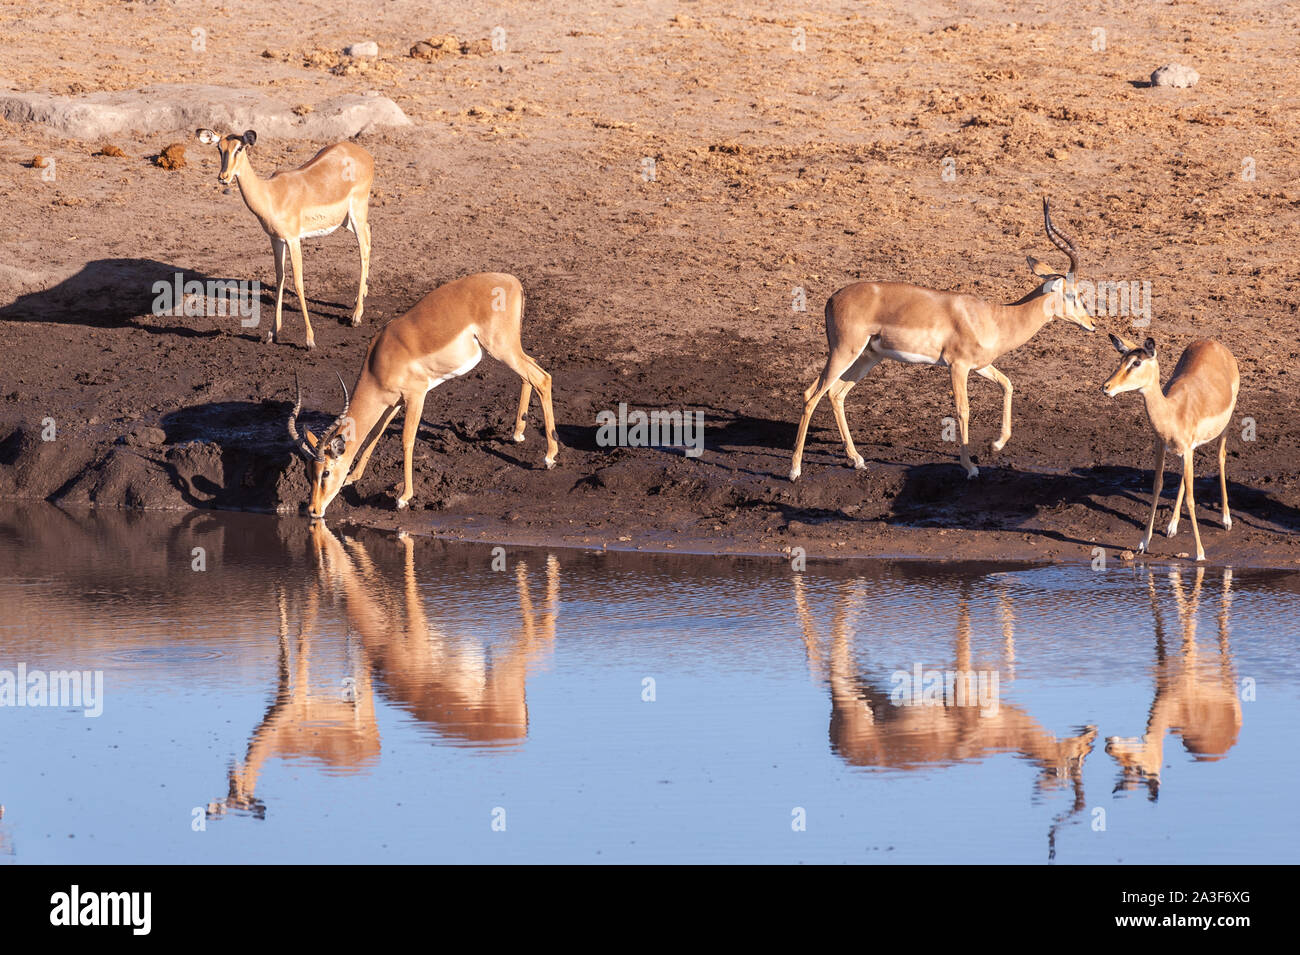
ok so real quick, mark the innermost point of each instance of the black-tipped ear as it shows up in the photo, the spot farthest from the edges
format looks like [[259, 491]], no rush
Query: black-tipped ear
[[1150, 346], [250, 137], [1119, 345]]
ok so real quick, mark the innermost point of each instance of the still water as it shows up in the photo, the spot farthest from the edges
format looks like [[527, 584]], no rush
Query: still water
[[291, 694]]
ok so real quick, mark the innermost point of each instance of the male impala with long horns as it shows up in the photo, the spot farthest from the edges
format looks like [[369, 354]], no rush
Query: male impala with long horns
[[442, 337], [332, 189], [868, 322]]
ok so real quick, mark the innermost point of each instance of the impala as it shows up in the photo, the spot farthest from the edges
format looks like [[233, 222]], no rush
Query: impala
[[868, 322], [1192, 409], [442, 337], [1195, 695], [331, 190]]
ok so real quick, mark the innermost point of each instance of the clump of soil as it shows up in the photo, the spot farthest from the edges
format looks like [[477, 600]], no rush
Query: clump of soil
[[173, 157], [36, 162], [108, 149], [447, 44]]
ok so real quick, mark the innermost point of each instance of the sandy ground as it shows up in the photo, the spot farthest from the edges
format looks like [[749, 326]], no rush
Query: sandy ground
[[775, 169]]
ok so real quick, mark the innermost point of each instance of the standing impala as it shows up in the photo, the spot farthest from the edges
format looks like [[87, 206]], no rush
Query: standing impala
[[331, 190], [868, 322], [1192, 409], [442, 337]]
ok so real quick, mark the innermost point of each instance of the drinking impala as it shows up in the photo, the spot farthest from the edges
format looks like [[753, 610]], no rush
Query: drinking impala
[[442, 337]]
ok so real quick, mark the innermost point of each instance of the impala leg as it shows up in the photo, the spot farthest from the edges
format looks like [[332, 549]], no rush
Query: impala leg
[[836, 365], [410, 429], [992, 374], [1223, 480], [959, 374], [1191, 502], [359, 468], [361, 224], [525, 394], [1157, 486], [535, 376], [295, 256], [839, 391], [1178, 511], [280, 249]]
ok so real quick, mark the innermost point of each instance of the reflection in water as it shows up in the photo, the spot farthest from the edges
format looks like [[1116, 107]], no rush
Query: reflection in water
[[1195, 697], [310, 665], [448, 684], [870, 727]]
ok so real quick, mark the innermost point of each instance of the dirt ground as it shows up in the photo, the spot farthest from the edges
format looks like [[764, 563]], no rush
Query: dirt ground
[[774, 169]]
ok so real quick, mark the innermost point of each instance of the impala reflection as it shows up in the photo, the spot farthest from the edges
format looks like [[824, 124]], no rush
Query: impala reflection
[[446, 681]]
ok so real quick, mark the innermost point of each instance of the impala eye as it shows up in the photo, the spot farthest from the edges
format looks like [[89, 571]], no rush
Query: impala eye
[[325, 475]]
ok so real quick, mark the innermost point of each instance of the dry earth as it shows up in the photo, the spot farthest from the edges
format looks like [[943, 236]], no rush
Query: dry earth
[[775, 168]]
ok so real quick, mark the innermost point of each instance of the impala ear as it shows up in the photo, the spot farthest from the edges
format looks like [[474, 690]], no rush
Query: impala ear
[[206, 136], [311, 438], [1122, 345], [1150, 346], [336, 447], [1039, 269], [249, 137]]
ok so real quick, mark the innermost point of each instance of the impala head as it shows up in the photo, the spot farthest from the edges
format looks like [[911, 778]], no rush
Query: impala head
[[324, 457], [1065, 300], [1137, 369], [233, 150]]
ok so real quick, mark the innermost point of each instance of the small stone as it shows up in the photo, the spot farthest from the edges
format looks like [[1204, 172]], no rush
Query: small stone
[[368, 48], [1126, 555], [1176, 75]]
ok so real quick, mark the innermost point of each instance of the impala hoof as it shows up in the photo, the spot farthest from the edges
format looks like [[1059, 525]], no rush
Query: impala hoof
[[999, 444], [1142, 547], [518, 438], [1227, 522], [550, 463], [973, 473], [794, 475], [356, 320], [311, 345], [402, 505], [1172, 529], [1200, 556], [859, 464]]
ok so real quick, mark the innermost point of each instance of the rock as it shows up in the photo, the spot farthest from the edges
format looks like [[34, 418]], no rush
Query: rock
[[1176, 75], [182, 107], [144, 436], [368, 48]]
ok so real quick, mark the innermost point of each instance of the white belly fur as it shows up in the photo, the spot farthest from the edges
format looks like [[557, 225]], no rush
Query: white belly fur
[[908, 358], [468, 366], [317, 233]]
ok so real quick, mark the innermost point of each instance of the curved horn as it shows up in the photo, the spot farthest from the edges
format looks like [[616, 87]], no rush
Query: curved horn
[[1060, 239], [299, 444], [338, 422]]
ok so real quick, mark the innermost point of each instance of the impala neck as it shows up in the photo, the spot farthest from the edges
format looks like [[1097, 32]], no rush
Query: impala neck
[[1160, 410], [255, 192], [1021, 321], [368, 408]]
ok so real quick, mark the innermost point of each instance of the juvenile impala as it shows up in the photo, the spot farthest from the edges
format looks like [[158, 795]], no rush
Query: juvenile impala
[[442, 337], [868, 322], [331, 190], [1192, 409]]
